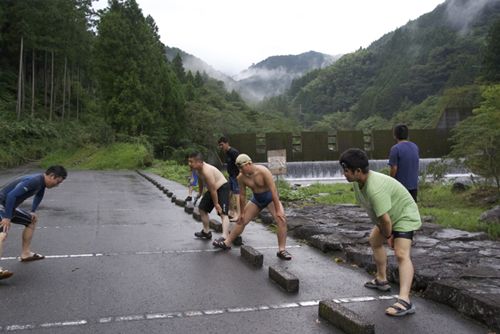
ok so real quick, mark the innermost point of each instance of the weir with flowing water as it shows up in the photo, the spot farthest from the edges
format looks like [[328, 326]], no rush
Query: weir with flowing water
[[331, 171]]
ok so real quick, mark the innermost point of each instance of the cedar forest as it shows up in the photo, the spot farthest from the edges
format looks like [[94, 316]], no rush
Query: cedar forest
[[71, 77]]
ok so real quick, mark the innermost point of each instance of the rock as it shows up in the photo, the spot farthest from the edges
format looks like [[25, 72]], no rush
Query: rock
[[305, 232], [421, 241], [478, 299], [491, 216], [328, 243], [458, 187], [491, 199], [428, 219], [452, 234]]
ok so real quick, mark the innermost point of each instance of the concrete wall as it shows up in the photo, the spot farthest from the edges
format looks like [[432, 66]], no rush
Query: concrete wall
[[313, 146]]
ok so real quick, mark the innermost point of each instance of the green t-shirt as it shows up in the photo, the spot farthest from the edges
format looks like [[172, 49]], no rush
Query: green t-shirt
[[382, 194]]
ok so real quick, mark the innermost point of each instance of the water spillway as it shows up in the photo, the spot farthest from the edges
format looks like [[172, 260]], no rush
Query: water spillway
[[319, 171]]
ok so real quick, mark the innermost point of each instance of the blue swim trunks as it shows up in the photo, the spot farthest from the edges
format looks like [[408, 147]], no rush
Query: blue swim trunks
[[262, 200], [195, 177]]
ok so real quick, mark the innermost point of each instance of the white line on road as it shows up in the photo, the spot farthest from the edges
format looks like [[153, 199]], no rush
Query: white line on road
[[63, 256], [185, 314]]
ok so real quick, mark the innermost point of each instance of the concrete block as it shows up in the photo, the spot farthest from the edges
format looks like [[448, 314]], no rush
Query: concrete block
[[189, 208], [169, 194], [286, 280], [180, 202], [215, 225], [196, 215], [253, 256], [344, 319]]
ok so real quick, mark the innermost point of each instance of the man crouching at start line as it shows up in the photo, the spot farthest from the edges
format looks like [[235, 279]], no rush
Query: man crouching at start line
[[395, 214], [260, 180]]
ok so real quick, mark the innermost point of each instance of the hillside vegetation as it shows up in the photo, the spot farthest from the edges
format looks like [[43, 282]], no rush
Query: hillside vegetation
[[73, 78]]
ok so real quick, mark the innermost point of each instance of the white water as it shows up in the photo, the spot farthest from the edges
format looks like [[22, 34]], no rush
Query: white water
[[331, 171]]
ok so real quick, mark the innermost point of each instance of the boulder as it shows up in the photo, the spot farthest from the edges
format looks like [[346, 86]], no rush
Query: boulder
[[458, 187], [491, 216]]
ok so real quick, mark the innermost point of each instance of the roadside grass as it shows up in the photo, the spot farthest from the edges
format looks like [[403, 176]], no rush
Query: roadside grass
[[116, 156]]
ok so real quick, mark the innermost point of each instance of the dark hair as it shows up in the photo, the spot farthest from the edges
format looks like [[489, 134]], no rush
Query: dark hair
[[58, 171], [197, 156], [353, 159], [222, 140], [401, 131]]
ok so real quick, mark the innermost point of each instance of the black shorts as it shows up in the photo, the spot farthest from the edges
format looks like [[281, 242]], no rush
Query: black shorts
[[413, 193], [207, 203], [403, 235], [19, 216]]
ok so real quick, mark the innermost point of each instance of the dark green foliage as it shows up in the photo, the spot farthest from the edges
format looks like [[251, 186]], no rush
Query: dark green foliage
[[477, 138], [139, 91], [490, 68]]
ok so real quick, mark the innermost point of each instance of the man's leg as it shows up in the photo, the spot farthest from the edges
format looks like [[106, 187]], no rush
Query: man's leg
[[225, 225], [3, 273], [251, 211], [27, 237], [281, 228], [402, 248], [231, 204], [205, 219], [3, 237], [377, 241]]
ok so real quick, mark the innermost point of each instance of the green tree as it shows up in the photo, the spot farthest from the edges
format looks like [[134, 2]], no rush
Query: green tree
[[477, 138], [198, 80], [490, 67], [179, 68]]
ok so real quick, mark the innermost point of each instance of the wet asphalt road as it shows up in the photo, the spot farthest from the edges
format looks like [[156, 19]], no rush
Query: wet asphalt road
[[122, 258]]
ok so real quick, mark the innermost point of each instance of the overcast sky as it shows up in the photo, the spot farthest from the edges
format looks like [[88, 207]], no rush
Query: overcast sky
[[231, 35]]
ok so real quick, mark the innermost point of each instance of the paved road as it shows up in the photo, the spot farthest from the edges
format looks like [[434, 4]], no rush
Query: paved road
[[122, 258]]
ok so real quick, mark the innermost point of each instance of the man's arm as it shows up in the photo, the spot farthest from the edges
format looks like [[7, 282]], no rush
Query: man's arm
[[210, 182], [393, 171], [37, 200], [200, 184], [243, 196], [385, 225], [269, 181]]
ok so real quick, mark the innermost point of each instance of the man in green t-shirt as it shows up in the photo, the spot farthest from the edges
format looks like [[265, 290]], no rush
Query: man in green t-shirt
[[395, 215]]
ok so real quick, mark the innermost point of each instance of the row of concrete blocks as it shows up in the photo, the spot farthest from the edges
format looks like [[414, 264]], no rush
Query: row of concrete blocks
[[336, 314]]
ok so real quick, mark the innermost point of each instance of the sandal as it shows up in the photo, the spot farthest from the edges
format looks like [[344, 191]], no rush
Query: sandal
[[376, 284], [284, 255], [5, 274], [220, 243], [410, 309]]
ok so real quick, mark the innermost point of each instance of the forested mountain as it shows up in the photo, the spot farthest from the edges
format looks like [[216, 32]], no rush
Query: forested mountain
[[274, 75], [194, 64], [71, 77], [413, 66]]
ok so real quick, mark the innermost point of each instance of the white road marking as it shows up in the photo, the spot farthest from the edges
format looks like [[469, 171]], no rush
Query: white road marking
[[63, 256], [185, 314]]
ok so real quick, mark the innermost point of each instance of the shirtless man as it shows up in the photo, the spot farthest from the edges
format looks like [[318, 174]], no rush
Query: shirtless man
[[260, 180], [217, 195]]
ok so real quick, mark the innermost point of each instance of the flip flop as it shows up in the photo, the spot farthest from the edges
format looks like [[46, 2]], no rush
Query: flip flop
[[34, 257], [233, 220], [5, 274]]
